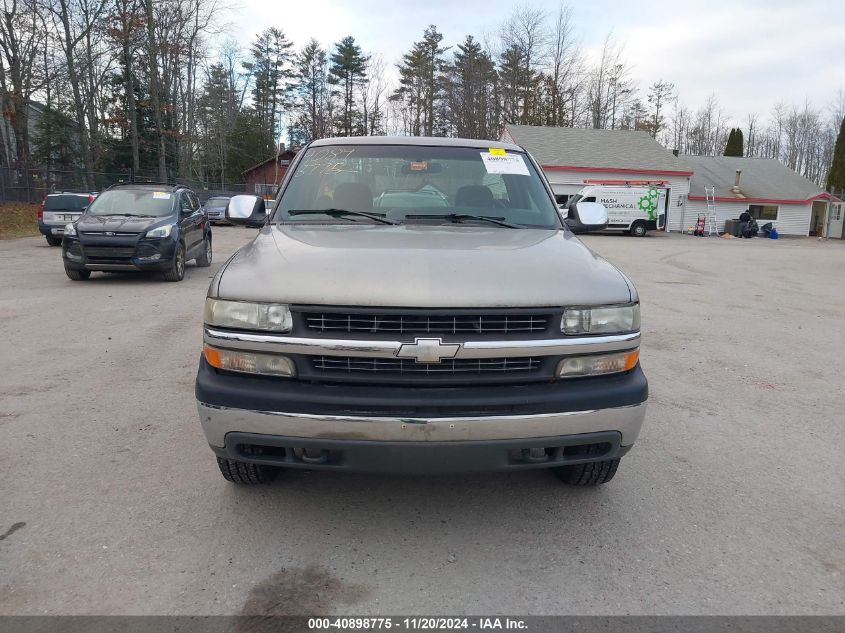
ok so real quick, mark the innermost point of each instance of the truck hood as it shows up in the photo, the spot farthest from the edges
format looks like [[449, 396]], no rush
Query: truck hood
[[419, 266], [116, 223]]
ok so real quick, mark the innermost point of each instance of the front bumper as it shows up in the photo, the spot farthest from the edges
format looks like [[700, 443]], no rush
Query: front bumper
[[218, 422], [128, 255], [414, 429], [421, 457]]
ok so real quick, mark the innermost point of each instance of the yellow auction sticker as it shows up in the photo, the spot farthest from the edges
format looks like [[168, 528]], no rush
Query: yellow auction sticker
[[497, 151]]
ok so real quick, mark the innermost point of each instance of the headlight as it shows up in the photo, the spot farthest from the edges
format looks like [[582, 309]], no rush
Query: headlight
[[70, 230], [249, 362], [597, 365], [601, 320], [243, 315], [162, 231]]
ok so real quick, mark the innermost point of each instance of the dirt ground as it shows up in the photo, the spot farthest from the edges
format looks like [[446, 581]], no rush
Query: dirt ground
[[732, 501], [18, 219]]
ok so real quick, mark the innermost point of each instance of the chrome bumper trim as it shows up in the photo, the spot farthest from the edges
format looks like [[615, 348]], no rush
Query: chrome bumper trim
[[388, 349], [111, 267], [218, 421]]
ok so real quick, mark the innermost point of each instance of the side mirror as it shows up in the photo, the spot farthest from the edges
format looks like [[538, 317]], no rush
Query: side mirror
[[247, 210], [587, 216]]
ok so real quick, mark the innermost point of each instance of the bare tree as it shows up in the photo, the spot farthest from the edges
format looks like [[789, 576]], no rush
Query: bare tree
[[372, 91], [752, 125], [21, 40], [564, 68], [74, 20], [526, 35], [610, 85], [659, 94]]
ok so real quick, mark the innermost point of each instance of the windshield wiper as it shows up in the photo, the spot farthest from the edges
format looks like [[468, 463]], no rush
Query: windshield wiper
[[126, 215], [457, 218], [339, 213]]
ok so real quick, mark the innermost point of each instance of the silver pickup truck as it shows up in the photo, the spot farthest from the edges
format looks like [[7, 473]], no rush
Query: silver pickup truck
[[419, 305]]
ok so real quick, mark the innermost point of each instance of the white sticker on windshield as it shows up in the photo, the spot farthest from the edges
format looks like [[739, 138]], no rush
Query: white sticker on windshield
[[161, 195], [504, 163]]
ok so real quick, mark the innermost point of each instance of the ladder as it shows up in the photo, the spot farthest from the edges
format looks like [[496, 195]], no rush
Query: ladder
[[710, 196]]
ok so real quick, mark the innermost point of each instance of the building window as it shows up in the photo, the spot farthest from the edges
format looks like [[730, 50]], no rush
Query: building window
[[835, 212], [768, 212], [264, 189]]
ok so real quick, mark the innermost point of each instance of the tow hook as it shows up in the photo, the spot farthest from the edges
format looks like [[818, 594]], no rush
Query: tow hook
[[311, 455]]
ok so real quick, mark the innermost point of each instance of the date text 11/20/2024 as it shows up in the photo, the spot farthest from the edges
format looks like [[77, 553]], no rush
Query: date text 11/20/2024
[[416, 624]]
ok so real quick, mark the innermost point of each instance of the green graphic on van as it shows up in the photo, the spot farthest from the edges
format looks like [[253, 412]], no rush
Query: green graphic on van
[[648, 203]]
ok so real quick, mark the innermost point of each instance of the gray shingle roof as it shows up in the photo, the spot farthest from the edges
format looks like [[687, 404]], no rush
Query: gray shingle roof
[[764, 178], [604, 149]]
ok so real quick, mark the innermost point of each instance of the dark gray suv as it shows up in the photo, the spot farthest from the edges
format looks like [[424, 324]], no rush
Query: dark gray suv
[[136, 227]]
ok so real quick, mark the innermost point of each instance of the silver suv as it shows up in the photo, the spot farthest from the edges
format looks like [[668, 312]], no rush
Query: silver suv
[[419, 305], [57, 210]]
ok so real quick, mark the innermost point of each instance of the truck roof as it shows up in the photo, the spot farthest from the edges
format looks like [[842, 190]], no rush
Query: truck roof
[[428, 141]]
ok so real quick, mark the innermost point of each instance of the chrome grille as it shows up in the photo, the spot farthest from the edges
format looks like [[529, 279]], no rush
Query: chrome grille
[[401, 366], [426, 324], [108, 234]]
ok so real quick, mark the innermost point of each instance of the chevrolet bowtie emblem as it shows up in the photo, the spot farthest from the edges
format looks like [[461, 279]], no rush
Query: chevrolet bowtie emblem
[[428, 350]]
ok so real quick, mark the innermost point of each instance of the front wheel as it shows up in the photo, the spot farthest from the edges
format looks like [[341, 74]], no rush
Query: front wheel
[[638, 229], [77, 274], [176, 272], [204, 260], [589, 474], [245, 473], [53, 241]]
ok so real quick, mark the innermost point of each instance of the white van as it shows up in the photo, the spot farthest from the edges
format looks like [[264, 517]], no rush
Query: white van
[[635, 210]]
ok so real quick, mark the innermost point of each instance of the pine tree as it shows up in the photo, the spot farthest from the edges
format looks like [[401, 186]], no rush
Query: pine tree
[[271, 72], [348, 69], [511, 64], [734, 144], [836, 175], [470, 87], [421, 78], [312, 91]]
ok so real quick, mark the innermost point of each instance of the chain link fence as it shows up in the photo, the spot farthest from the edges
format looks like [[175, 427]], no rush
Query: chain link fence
[[31, 185]]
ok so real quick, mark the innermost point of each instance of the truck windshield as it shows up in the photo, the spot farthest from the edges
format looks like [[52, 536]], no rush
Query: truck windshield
[[143, 202], [418, 184]]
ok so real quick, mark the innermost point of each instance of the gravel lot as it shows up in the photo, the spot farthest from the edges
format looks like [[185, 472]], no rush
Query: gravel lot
[[733, 501]]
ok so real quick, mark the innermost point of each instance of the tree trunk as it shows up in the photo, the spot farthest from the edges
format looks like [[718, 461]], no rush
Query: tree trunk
[[131, 109], [155, 96], [79, 105]]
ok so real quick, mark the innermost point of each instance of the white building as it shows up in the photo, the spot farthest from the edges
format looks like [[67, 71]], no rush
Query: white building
[[575, 157], [765, 187]]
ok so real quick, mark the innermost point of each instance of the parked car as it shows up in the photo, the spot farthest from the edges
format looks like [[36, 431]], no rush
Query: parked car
[[57, 209], [416, 338], [215, 208], [138, 227], [632, 209]]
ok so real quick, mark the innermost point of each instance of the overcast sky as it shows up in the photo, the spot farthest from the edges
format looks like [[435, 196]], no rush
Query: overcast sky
[[752, 54]]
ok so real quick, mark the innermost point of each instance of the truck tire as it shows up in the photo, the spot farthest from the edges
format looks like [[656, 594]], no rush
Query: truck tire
[[204, 260], [638, 229], [244, 473], [52, 241], [589, 474], [77, 274], [176, 272]]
